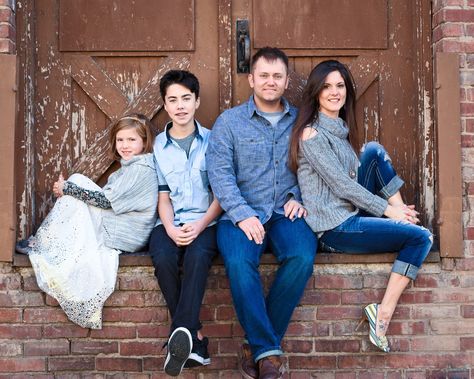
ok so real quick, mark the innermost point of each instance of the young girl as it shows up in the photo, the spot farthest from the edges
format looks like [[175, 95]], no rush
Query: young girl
[[75, 251], [340, 191]]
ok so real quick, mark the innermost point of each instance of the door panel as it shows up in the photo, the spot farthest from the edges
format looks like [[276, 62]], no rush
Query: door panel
[[382, 43]]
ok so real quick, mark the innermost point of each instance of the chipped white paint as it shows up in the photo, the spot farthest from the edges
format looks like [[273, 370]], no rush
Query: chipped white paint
[[78, 126]]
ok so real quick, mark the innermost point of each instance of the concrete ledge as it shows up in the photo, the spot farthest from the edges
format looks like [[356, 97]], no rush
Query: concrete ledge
[[143, 259]]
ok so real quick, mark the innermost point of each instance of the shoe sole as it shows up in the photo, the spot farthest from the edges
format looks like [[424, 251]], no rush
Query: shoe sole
[[196, 360], [180, 345]]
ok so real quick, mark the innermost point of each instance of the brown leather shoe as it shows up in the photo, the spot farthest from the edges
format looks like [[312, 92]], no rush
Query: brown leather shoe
[[270, 367], [247, 366]]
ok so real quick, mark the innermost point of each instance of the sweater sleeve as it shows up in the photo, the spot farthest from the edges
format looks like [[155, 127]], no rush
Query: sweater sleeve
[[324, 161], [131, 188], [95, 198]]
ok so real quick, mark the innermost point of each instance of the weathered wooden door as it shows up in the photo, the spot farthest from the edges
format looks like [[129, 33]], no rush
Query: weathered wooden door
[[84, 63], [386, 44]]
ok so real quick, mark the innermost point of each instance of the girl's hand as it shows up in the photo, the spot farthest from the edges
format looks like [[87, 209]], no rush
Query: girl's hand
[[58, 186]]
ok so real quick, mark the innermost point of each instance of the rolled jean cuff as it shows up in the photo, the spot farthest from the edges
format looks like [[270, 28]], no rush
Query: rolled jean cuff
[[405, 269], [392, 187], [268, 353]]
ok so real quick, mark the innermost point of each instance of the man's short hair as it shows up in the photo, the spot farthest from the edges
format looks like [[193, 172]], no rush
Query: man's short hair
[[182, 77], [270, 54]]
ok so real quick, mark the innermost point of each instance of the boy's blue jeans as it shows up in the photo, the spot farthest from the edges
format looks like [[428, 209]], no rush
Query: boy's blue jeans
[[364, 234], [266, 318]]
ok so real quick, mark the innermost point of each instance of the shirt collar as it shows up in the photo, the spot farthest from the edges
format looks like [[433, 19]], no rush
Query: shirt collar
[[197, 132], [252, 107]]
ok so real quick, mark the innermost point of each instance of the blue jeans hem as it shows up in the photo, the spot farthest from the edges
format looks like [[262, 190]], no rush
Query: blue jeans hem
[[405, 269], [267, 353], [392, 187]]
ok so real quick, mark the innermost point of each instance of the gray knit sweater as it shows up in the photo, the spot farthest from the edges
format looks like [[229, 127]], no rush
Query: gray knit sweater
[[327, 175]]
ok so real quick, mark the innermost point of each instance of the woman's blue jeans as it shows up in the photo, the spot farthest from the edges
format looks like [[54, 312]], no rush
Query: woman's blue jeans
[[266, 318], [364, 234]]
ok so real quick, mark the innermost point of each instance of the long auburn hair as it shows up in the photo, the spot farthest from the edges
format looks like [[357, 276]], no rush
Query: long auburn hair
[[309, 107]]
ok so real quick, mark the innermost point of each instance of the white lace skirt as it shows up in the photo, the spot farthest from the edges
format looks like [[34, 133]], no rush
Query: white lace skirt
[[70, 260]]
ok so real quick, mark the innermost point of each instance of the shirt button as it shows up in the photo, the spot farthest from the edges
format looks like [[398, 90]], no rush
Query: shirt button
[[276, 142], [352, 174], [276, 162], [278, 182]]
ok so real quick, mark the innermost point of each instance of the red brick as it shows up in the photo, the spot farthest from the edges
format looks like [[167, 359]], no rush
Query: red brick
[[407, 327], [467, 343], [122, 332], [453, 327], [153, 331], [10, 315], [465, 264], [317, 297], [304, 314], [312, 362], [297, 346], [140, 348], [20, 332], [352, 361], [467, 311], [431, 311], [365, 296], [7, 16], [371, 375], [225, 312], [453, 15], [74, 363], [338, 313], [217, 297], [468, 141], [21, 299], [22, 364], [118, 364], [220, 330], [416, 297], [300, 329], [144, 283], [231, 346], [435, 343], [40, 348], [338, 281], [10, 348], [126, 299], [376, 281], [94, 347], [30, 283], [10, 282], [455, 295], [342, 345], [135, 315], [66, 331], [448, 30], [345, 375], [435, 281], [7, 46], [467, 109], [44, 315]]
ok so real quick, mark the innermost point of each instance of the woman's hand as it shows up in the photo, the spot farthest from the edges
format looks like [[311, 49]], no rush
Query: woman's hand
[[58, 186], [402, 212]]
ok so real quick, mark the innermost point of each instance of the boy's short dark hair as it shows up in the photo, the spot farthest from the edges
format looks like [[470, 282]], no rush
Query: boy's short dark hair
[[182, 77], [270, 54]]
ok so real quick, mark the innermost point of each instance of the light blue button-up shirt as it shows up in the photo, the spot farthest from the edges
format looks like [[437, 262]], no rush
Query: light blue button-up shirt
[[247, 161], [185, 178]]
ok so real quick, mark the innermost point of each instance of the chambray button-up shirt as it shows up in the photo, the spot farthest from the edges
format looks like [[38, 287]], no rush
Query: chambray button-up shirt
[[247, 162], [185, 178]]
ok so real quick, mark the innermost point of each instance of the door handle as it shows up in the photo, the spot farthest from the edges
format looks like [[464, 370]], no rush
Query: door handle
[[243, 46]]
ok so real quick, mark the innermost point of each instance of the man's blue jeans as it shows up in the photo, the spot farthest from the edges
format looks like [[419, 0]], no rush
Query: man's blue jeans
[[363, 234], [265, 319]]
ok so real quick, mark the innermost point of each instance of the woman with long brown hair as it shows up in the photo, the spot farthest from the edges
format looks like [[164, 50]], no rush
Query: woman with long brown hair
[[354, 204]]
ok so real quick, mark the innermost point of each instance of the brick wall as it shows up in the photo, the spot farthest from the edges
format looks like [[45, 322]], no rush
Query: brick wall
[[432, 333], [7, 27]]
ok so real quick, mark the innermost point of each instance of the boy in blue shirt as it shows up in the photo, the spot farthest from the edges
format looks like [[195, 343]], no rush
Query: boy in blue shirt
[[185, 234]]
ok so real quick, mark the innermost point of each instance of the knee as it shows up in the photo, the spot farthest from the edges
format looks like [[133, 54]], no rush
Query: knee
[[163, 259], [303, 261], [425, 237], [374, 150]]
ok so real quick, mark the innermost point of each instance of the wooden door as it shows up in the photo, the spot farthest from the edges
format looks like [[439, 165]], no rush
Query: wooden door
[[85, 63], [386, 44]]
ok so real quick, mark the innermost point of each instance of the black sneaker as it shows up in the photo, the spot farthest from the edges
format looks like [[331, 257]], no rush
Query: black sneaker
[[199, 355], [180, 345]]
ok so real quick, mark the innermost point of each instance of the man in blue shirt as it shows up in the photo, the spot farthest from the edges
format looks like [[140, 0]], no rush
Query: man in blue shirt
[[186, 232], [247, 166]]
